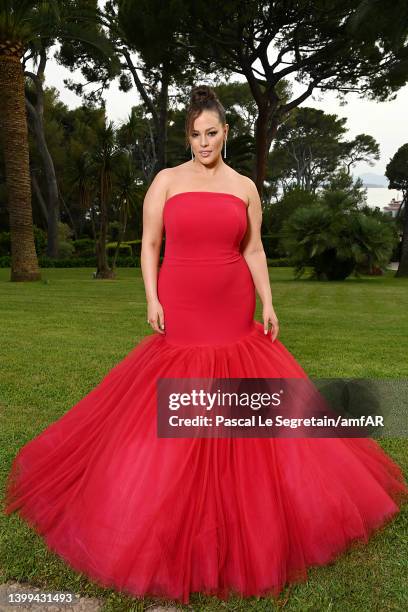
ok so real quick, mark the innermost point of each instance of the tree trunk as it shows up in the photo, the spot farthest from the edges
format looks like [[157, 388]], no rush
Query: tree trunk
[[93, 225], [103, 270], [159, 115], [39, 196], [161, 130], [403, 263], [265, 131], [73, 225], [37, 127], [24, 262]]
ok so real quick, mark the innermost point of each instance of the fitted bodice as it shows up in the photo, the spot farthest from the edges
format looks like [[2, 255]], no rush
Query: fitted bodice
[[205, 285], [203, 226]]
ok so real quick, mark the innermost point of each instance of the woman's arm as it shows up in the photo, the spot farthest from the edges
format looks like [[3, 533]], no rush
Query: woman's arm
[[151, 244], [254, 254]]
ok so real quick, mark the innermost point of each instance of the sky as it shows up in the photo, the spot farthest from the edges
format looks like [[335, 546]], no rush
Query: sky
[[384, 121]]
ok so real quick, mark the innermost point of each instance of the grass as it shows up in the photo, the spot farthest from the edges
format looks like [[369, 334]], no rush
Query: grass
[[61, 335]]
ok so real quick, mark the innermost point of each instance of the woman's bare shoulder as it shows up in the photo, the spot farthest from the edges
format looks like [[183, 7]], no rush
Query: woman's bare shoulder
[[173, 176], [246, 186], [162, 181]]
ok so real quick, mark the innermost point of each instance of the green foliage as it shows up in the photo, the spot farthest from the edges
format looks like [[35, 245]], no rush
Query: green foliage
[[334, 237], [137, 246], [40, 239], [32, 23], [84, 258], [152, 29], [341, 180], [309, 149], [397, 170], [65, 245], [65, 249], [76, 262], [275, 214], [114, 228], [5, 246], [64, 231], [373, 240], [278, 262], [124, 249], [84, 247], [271, 244]]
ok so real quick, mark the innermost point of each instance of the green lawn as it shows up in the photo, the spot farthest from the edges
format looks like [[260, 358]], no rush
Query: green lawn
[[61, 335]]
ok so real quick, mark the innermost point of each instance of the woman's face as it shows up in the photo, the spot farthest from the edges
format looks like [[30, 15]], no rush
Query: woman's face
[[207, 137]]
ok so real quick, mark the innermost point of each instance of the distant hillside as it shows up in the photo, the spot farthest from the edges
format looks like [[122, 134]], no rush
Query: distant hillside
[[370, 179]]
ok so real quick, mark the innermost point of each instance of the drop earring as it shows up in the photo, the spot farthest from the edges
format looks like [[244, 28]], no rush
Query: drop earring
[[192, 156], [225, 148]]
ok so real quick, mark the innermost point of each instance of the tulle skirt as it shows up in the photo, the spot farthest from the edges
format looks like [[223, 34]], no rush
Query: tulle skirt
[[168, 517]]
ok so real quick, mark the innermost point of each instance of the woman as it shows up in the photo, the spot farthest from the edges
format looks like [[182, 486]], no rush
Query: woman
[[167, 515]]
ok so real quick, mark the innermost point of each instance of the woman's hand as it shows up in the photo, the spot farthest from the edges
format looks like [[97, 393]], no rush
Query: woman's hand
[[269, 316], [155, 315]]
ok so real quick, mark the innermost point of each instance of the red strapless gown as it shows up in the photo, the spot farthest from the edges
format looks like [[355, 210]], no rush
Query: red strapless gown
[[169, 517]]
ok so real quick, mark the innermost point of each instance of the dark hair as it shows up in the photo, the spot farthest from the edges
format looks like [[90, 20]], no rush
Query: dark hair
[[202, 97]]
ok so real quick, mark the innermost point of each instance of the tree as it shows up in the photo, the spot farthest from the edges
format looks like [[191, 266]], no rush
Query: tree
[[362, 148], [24, 24], [35, 107], [105, 157], [309, 149], [343, 181], [126, 195], [397, 173], [341, 46], [144, 36], [13, 38]]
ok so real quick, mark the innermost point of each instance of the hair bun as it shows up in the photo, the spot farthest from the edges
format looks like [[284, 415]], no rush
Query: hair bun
[[201, 94]]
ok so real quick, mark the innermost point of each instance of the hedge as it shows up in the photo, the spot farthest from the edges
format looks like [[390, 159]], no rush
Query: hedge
[[121, 262]]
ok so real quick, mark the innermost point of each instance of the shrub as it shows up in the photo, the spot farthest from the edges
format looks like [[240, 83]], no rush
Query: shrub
[[271, 245], [278, 262], [334, 237], [65, 249], [40, 239], [124, 248], [84, 247], [5, 246]]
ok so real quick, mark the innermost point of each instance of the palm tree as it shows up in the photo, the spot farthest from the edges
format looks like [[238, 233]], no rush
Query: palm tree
[[105, 160], [81, 180], [127, 196], [13, 38], [24, 25]]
